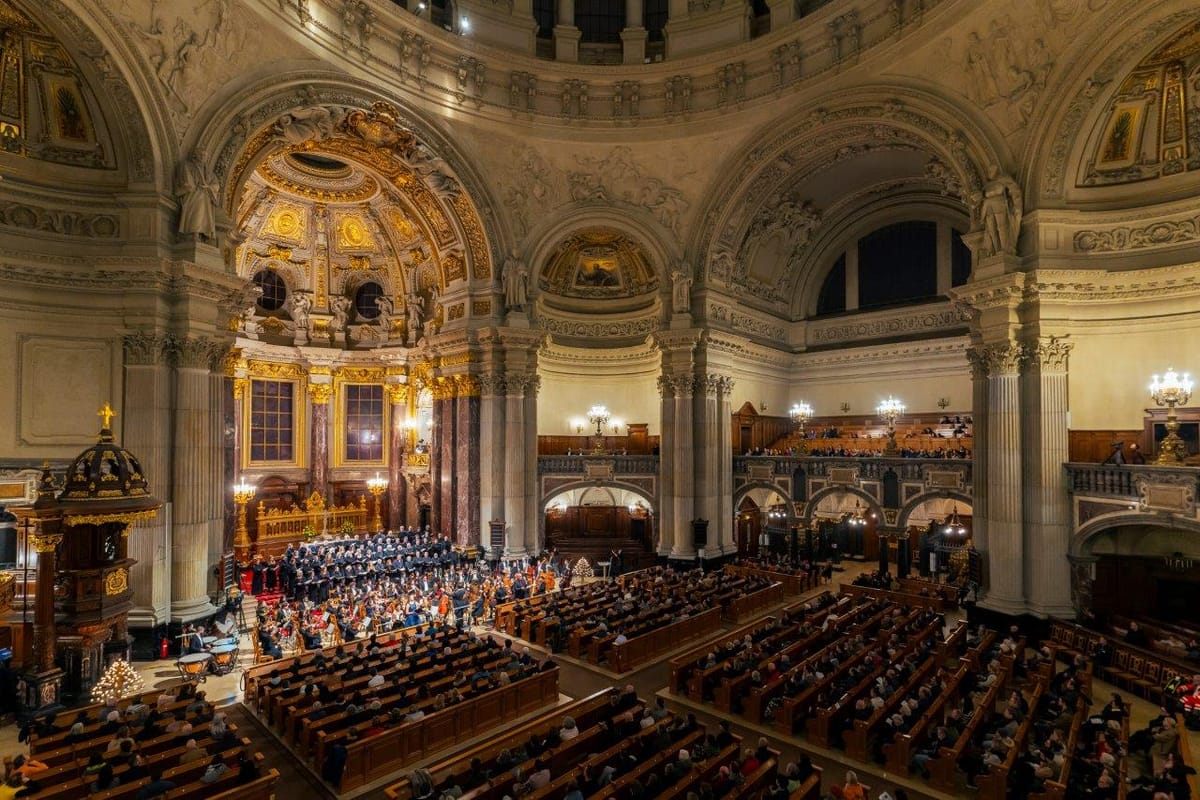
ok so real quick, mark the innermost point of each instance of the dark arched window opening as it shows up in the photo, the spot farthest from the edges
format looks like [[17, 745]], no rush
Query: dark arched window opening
[[274, 290], [832, 298], [898, 264], [600, 20], [960, 259], [364, 300]]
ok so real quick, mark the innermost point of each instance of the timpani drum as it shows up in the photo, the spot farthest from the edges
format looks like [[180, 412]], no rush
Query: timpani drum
[[193, 666], [228, 640], [224, 657], [209, 641]]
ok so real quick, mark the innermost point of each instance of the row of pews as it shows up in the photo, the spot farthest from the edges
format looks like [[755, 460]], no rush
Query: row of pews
[[69, 756], [432, 692], [611, 756], [653, 611], [1134, 669]]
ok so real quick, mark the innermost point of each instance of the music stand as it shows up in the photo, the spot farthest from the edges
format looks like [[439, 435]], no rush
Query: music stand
[[604, 565]]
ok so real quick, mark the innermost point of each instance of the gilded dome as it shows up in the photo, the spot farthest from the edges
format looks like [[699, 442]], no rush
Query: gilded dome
[[104, 472]]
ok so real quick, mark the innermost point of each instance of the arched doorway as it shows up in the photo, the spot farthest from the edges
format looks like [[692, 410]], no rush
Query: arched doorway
[[847, 520], [938, 527], [594, 521], [1146, 571], [764, 524]]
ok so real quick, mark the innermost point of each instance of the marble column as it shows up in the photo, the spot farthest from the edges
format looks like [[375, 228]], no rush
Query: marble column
[[723, 434], [466, 460], [397, 395], [1047, 515], [979, 430], [666, 489], [1005, 536], [220, 499], [514, 464], [146, 431], [491, 454], [44, 636], [683, 463], [320, 395], [195, 478]]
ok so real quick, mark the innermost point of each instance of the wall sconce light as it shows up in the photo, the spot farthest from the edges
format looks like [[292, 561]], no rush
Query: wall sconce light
[[845, 407], [943, 402], [762, 406]]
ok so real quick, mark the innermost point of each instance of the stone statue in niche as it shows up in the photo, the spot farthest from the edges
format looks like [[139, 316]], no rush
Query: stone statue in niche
[[196, 188], [341, 315], [1000, 211], [414, 304], [516, 282], [387, 313], [301, 308], [681, 288]]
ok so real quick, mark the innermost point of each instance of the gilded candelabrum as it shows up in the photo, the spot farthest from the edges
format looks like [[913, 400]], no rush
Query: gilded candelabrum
[[1171, 390], [243, 493], [890, 410], [377, 486], [801, 413]]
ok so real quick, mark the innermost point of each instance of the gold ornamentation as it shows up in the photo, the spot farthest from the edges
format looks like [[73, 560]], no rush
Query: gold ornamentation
[[360, 262], [272, 325], [367, 188], [416, 459], [128, 518], [466, 386], [359, 374], [481, 308], [456, 311], [405, 230], [116, 582], [464, 357], [274, 369], [233, 361], [286, 222], [240, 385], [397, 393], [453, 267], [443, 388], [278, 253], [45, 542], [481, 260], [353, 233], [320, 369], [106, 414], [320, 393]]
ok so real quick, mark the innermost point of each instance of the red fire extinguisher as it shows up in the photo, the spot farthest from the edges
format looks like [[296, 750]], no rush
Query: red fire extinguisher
[[163, 647]]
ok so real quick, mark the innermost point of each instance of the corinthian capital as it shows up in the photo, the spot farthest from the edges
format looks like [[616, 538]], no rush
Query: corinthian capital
[[1001, 358], [198, 352], [144, 348], [1050, 354]]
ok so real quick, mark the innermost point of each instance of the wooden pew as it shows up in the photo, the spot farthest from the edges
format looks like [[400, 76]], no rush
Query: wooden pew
[[993, 784], [942, 768]]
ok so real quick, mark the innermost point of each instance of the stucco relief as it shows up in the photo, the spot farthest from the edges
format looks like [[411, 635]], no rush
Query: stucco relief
[[194, 48]]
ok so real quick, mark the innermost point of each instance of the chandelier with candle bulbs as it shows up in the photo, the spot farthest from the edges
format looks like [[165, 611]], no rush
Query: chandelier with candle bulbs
[[1171, 390]]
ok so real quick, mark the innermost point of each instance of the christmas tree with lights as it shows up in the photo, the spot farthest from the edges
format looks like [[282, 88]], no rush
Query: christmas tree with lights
[[582, 569], [118, 681]]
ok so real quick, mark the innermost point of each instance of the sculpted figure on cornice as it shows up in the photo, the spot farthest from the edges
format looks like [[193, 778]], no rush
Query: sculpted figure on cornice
[[313, 123], [998, 214]]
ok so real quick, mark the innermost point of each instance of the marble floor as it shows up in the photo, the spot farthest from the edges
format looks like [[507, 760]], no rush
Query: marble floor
[[577, 680]]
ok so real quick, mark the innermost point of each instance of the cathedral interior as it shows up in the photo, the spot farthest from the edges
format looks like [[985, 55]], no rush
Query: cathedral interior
[[913, 283]]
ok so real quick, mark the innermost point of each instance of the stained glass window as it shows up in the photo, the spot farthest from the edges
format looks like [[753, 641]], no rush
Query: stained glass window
[[364, 423], [272, 421]]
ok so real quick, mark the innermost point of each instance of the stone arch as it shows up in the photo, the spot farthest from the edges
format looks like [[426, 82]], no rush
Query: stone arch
[[651, 503], [810, 507], [940, 494], [789, 503], [1053, 148], [965, 147], [1085, 534], [138, 135], [425, 162]]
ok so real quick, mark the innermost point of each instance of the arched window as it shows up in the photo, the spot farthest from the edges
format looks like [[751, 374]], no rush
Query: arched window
[[833, 291], [274, 290], [364, 300], [898, 264]]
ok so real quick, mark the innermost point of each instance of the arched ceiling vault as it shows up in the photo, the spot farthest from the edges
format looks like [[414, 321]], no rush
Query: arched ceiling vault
[[763, 232]]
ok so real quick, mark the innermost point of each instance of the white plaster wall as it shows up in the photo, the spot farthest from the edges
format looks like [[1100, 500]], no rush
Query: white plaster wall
[[567, 395]]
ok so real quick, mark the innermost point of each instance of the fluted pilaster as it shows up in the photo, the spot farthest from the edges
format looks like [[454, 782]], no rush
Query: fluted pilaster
[[196, 476], [682, 460], [722, 433], [517, 524], [1047, 516], [491, 453], [146, 430], [1005, 537], [667, 486]]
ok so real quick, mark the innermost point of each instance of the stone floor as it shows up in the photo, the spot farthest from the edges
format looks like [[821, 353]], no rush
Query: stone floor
[[577, 680]]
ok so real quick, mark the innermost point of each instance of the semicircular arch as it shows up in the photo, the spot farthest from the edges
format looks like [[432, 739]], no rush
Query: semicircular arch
[[582, 486], [918, 500], [814, 501], [1086, 534]]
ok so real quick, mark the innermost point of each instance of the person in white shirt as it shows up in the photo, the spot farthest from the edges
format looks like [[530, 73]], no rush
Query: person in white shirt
[[376, 681], [568, 730]]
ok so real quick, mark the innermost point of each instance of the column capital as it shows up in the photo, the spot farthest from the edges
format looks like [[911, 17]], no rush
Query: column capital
[[45, 542], [491, 384], [320, 393], [147, 348], [1049, 354], [397, 393], [999, 358]]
